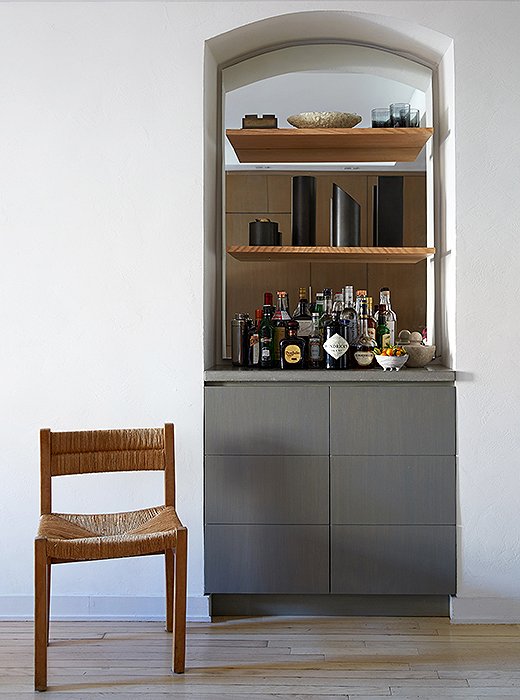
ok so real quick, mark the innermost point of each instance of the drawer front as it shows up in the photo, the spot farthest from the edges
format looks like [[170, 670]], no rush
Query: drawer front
[[267, 559], [393, 559], [269, 490], [392, 490], [397, 420], [267, 420]]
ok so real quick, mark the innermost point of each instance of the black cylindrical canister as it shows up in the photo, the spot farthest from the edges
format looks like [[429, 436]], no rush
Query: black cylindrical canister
[[304, 210], [263, 232], [345, 220]]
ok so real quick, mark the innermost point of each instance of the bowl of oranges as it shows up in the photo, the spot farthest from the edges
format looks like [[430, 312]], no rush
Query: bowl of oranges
[[391, 358]]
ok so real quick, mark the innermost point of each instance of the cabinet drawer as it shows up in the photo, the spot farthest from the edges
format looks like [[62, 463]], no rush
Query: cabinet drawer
[[392, 490], [271, 490], [397, 420], [267, 559], [267, 420], [379, 559]]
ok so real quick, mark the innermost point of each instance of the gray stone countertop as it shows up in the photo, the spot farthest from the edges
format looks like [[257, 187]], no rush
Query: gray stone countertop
[[230, 374]]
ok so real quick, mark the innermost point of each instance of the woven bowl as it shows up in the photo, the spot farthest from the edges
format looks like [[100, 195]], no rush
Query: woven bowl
[[391, 362], [324, 120]]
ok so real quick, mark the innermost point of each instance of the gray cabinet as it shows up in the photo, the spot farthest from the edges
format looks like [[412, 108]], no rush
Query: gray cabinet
[[267, 420], [382, 456], [267, 558], [393, 559], [267, 490], [402, 490], [392, 420]]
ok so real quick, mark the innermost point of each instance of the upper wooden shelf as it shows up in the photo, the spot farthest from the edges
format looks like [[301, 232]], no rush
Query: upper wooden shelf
[[330, 254], [328, 145]]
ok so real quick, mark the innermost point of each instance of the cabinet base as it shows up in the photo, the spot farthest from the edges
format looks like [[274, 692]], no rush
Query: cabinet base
[[231, 605]]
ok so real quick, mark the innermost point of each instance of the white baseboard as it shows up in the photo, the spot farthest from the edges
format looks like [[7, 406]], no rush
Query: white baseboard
[[491, 611], [84, 607]]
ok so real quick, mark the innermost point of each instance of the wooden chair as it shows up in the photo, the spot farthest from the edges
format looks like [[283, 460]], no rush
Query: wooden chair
[[70, 538]]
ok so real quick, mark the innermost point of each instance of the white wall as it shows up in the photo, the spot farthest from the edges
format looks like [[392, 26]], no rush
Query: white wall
[[101, 218]]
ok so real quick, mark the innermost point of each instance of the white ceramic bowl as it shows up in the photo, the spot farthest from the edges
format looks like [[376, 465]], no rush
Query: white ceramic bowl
[[419, 355], [391, 362]]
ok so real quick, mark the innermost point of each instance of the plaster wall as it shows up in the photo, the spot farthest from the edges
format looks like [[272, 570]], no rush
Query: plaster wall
[[102, 225]]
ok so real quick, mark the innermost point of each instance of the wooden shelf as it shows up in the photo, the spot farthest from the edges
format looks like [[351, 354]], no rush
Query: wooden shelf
[[328, 145], [329, 254]]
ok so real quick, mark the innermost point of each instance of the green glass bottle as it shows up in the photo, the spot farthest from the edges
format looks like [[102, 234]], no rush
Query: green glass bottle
[[266, 335], [382, 331]]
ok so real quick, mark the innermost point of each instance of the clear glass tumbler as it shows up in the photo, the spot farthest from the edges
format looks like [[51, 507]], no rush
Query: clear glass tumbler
[[380, 118], [415, 117], [400, 114]]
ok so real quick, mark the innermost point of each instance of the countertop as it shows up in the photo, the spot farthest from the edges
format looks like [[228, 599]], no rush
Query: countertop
[[229, 374]]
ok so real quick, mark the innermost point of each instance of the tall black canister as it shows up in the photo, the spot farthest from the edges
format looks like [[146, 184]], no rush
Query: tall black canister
[[304, 210]]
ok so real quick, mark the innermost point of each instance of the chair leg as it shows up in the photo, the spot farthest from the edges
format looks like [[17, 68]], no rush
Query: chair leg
[[48, 600], [169, 566], [40, 615], [179, 607]]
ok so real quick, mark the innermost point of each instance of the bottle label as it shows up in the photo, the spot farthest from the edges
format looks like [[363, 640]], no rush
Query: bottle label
[[336, 346], [371, 333], [254, 352], [292, 353], [385, 341], [279, 335], [364, 357], [314, 348], [304, 327]]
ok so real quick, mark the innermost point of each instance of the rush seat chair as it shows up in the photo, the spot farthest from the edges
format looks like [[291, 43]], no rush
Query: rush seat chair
[[65, 537]]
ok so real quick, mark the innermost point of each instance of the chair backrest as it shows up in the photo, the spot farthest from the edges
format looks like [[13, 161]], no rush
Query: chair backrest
[[95, 451]]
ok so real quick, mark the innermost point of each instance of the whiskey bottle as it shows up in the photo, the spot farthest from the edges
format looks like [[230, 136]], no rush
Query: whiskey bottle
[[254, 340], [315, 352], [363, 354], [266, 337], [292, 348], [348, 316], [335, 345], [302, 315], [371, 322], [279, 321], [390, 315], [383, 332]]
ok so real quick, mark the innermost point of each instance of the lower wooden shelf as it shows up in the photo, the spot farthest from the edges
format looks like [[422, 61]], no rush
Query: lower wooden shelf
[[330, 254]]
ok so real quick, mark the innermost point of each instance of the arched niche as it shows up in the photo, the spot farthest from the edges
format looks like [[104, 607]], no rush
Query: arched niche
[[409, 46]]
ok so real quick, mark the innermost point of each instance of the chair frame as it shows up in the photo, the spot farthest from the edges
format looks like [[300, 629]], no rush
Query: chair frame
[[175, 559]]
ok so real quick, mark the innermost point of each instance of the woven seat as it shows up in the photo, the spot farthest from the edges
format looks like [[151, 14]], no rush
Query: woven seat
[[109, 536], [68, 537]]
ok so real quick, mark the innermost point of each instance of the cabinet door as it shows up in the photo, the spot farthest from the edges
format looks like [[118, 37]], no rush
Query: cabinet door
[[267, 420], [270, 490], [396, 420], [392, 490], [393, 559], [267, 559]]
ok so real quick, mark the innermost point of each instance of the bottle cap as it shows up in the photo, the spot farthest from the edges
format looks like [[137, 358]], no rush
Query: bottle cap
[[268, 299], [302, 292]]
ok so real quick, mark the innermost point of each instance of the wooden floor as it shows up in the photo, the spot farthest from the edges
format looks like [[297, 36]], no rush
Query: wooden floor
[[268, 658]]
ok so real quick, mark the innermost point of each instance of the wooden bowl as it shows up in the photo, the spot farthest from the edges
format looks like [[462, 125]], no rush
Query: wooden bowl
[[324, 120]]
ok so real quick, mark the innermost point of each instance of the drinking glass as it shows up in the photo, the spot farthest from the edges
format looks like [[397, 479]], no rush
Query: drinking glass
[[380, 118], [415, 117], [400, 114]]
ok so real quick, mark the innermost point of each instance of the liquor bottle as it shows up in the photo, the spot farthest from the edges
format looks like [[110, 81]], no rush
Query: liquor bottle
[[279, 321], [327, 310], [266, 334], [292, 348], [383, 332], [268, 301], [391, 316], [361, 296], [254, 340], [302, 315], [318, 305], [315, 351], [371, 321], [348, 316], [363, 354], [335, 345]]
